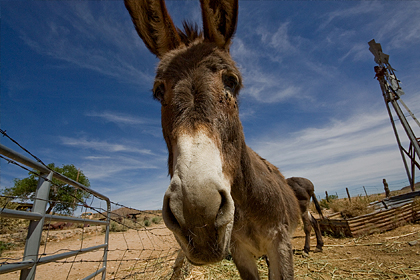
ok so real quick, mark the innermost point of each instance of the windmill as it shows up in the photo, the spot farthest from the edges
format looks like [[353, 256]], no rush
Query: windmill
[[392, 92]]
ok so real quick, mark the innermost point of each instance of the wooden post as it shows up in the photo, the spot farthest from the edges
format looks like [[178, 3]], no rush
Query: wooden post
[[348, 194], [365, 191], [326, 196], [387, 192]]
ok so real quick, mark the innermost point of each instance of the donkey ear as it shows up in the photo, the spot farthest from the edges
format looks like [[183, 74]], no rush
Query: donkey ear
[[219, 21], [154, 25]]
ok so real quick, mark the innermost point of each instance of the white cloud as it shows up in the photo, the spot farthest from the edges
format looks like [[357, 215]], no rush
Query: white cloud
[[102, 146], [76, 33], [283, 66], [97, 157], [402, 26], [280, 41], [357, 51], [268, 88], [102, 169], [119, 118], [363, 7], [394, 25], [357, 150], [265, 85]]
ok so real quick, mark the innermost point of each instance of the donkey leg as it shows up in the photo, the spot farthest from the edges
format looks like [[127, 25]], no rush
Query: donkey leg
[[245, 263], [177, 269], [280, 254], [306, 219], [319, 241]]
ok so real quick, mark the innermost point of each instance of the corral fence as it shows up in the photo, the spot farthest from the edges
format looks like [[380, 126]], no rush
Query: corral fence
[[119, 242], [38, 217], [387, 214]]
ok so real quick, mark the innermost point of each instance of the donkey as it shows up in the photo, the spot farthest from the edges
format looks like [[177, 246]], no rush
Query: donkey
[[223, 197], [304, 190]]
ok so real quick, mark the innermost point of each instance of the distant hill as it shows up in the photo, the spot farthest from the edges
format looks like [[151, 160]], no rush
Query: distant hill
[[408, 188], [125, 212]]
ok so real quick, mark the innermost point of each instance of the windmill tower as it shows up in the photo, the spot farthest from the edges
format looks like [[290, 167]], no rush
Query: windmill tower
[[392, 92]]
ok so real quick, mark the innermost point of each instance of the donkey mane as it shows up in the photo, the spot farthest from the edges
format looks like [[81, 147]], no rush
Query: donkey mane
[[190, 33]]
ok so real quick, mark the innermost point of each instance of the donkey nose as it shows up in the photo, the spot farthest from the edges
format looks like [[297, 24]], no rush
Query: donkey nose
[[187, 207]]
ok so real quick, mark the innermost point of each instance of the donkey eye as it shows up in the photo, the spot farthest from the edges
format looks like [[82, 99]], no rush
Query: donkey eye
[[159, 91], [230, 81]]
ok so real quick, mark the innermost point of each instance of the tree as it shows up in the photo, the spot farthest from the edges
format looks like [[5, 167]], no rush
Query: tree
[[63, 197]]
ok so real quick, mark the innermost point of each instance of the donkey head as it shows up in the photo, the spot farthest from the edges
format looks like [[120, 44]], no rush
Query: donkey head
[[197, 84]]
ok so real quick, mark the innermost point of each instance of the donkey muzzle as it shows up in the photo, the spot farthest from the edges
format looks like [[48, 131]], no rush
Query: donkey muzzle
[[198, 207]]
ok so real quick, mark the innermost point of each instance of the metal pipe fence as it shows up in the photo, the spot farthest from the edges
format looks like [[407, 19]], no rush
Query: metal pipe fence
[[38, 217]]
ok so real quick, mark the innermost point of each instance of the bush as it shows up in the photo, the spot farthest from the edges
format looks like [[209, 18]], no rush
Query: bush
[[116, 226], [147, 223], [156, 220], [5, 246]]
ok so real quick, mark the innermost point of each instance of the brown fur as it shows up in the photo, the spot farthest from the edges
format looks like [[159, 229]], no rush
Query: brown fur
[[160, 23], [198, 85], [304, 191]]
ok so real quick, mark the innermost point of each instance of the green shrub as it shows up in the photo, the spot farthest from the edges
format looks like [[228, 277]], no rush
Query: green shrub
[[156, 220], [115, 226], [147, 223], [4, 246]]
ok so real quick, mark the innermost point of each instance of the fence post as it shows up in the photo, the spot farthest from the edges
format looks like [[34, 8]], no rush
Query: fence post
[[105, 255], [33, 239], [348, 194], [386, 188], [326, 196], [365, 191]]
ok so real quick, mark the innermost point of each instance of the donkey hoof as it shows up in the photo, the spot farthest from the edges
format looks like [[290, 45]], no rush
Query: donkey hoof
[[318, 250]]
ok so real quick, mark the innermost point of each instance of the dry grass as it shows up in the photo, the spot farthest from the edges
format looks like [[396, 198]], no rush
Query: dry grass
[[378, 256], [125, 224], [314, 267], [8, 226], [356, 207]]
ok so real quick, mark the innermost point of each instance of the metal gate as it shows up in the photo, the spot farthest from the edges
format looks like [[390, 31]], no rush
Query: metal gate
[[38, 216]]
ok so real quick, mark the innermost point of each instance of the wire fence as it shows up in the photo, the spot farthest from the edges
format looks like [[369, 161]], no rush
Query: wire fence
[[139, 245], [137, 249], [366, 189]]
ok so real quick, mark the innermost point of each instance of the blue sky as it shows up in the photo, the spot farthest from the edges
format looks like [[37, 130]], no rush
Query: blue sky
[[76, 89]]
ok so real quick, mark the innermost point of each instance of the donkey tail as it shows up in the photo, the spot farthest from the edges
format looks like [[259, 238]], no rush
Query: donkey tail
[[318, 208]]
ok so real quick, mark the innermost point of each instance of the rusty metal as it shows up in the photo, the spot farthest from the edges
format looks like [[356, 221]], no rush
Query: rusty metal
[[392, 92]]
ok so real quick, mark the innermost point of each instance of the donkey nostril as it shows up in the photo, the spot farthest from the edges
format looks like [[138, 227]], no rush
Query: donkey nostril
[[222, 203], [226, 210], [168, 216]]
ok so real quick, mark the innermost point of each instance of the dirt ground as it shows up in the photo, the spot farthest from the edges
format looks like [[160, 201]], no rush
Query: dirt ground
[[391, 255]]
